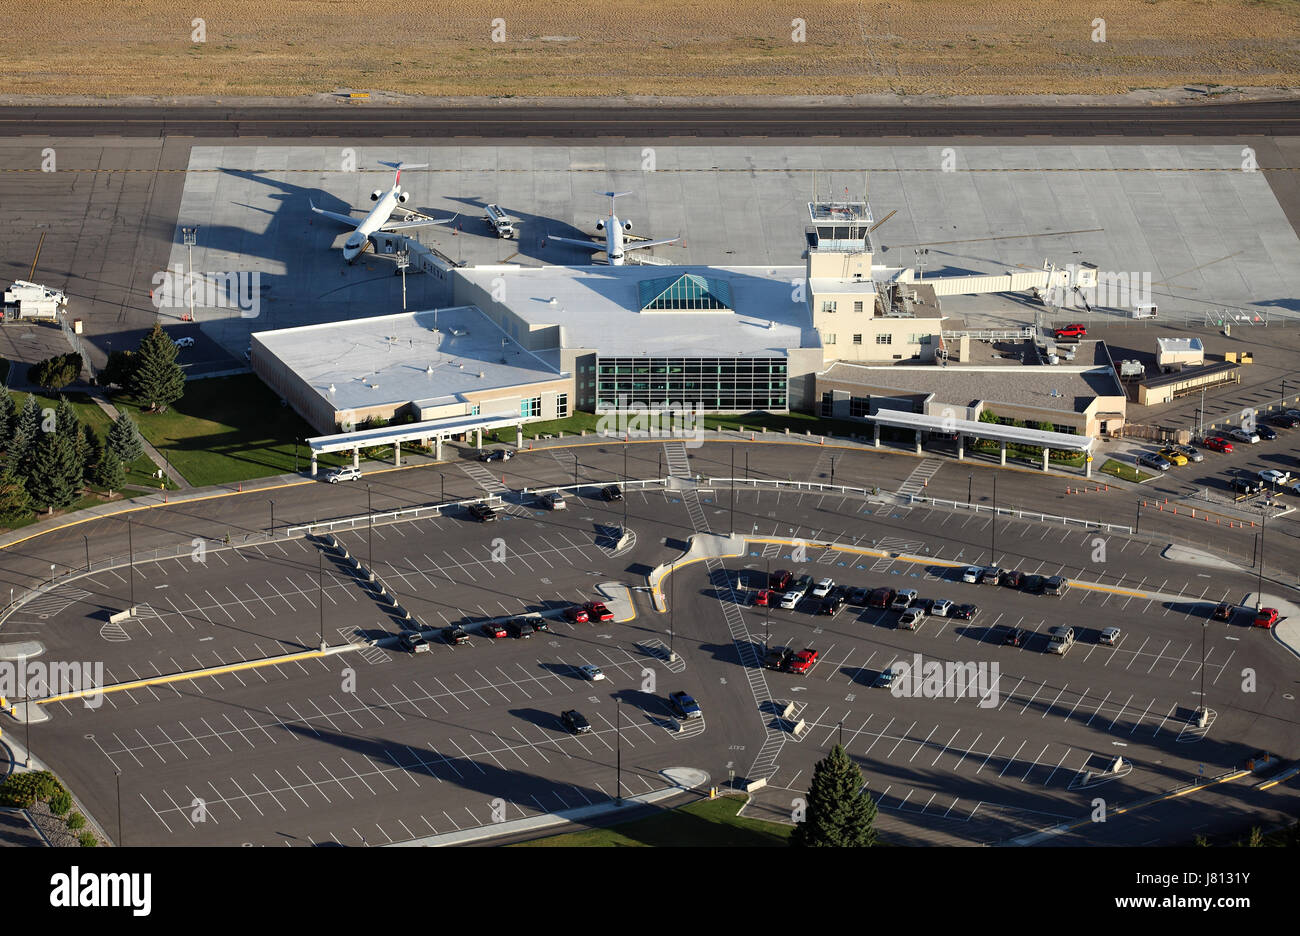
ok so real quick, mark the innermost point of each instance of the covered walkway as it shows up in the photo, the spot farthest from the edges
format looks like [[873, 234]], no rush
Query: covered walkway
[[435, 430], [948, 425]]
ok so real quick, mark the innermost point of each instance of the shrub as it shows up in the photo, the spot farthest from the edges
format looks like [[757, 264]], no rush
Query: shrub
[[60, 802], [76, 821], [87, 839], [24, 789]]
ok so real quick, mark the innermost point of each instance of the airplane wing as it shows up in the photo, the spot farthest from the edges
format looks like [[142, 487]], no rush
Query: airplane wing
[[346, 219], [393, 226], [637, 245], [590, 245]]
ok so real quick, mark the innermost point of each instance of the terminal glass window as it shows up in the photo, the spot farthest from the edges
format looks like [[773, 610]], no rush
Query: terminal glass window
[[531, 407], [884, 339], [857, 339], [859, 406], [561, 406], [719, 385]]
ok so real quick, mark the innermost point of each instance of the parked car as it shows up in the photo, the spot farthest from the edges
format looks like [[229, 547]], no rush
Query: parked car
[[574, 721], [483, 511], [186, 342], [965, 612], [1110, 636], [780, 580], [500, 454], [413, 642], [803, 584], [1173, 456], [884, 679], [575, 614], [791, 599], [802, 662], [1285, 421], [910, 618], [880, 598], [346, 473], [939, 607], [1273, 476], [591, 673], [971, 575], [857, 595], [1224, 611], [1033, 584], [1055, 585], [1245, 486], [764, 598], [1153, 460], [1190, 452], [1217, 444], [540, 623], [684, 706], [555, 501], [1266, 617], [495, 631], [1013, 579], [1244, 435], [1013, 636], [596, 611], [1074, 330], [455, 635], [612, 492], [990, 576], [823, 588], [520, 628], [777, 658], [830, 605], [1265, 432], [903, 599]]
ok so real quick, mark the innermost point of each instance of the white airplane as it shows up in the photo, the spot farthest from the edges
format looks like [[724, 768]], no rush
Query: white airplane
[[614, 246], [379, 218]]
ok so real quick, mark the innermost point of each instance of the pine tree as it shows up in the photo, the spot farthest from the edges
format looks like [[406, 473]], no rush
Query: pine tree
[[68, 425], [124, 439], [28, 421], [94, 449], [50, 467], [158, 381], [840, 814], [8, 416], [109, 473], [15, 505]]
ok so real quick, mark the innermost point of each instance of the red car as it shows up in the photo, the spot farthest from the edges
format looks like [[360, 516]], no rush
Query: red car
[[1072, 331], [779, 581], [763, 598], [494, 630], [576, 615], [881, 598], [1218, 444], [1266, 617], [803, 661], [596, 611]]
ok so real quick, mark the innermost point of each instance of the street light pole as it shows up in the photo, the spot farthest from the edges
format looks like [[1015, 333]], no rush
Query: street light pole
[[130, 559], [272, 503], [370, 536], [320, 594], [618, 732], [993, 546], [87, 539], [1259, 588], [672, 611], [191, 235], [119, 808], [970, 488], [732, 476]]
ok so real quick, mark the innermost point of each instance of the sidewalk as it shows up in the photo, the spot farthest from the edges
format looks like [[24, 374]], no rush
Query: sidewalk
[[97, 394]]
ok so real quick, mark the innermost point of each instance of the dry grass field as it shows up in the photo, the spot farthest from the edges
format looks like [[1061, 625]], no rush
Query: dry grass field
[[573, 48]]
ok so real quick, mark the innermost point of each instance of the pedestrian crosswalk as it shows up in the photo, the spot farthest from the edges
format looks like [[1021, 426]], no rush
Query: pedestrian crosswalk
[[675, 457], [916, 481], [493, 486]]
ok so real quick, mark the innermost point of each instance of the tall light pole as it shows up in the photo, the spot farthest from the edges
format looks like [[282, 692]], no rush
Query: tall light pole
[[732, 476], [320, 593], [191, 235], [832, 471], [672, 611], [370, 536], [403, 261], [119, 808], [618, 733], [970, 488], [1259, 588], [272, 503], [87, 539], [993, 544], [130, 560]]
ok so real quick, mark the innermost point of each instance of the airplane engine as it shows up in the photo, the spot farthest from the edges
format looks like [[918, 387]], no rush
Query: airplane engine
[[376, 195], [627, 225], [402, 197], [600, 225]]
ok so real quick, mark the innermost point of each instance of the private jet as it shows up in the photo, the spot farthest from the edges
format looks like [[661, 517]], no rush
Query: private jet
[[380, 216], [614, 245]]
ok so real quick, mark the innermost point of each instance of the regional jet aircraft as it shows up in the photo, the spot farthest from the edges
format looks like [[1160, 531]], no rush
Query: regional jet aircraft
[[378, 219], [614, 245]]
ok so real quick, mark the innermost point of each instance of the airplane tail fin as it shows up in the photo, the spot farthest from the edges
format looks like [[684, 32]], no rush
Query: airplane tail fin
[[399, 166], [611, 196]]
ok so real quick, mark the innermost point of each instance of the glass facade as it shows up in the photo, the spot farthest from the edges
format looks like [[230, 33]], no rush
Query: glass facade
[[531, 407], [561, 405], [720, 385], [688, 291]]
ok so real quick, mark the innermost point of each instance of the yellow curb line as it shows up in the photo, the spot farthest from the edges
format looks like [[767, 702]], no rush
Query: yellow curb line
[[1159, 799], [193, 674]]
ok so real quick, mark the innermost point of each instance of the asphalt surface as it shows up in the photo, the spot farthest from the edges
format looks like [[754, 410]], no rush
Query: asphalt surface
[[377, 746], [524, 121]]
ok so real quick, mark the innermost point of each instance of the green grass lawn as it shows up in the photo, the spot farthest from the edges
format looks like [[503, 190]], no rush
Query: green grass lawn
[[1120, 470], [228, 429], [707, 823]]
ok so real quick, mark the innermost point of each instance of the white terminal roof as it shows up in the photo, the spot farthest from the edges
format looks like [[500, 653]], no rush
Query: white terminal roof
[[1179, 345], [397, 359], [601, 307]]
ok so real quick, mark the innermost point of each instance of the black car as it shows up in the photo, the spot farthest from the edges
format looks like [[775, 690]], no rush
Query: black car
[[780, 580], [1013, 636], [574, 721], [1034, 584], [520, 628], [1245, 486], [540, 624], [482, 512], [777, 658], [857, 595], [612, 492], [683, 705], [1013, 578], [1224, 611], [964, 612], [413, 641], [1285, 421], [455, 635], [494, 455], [830, 605], [1265, 432]]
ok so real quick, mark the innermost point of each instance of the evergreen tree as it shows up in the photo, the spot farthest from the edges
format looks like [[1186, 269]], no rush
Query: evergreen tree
[[50, 468], [15, 505], [158, 381], [28, 421], [68, 425], [840, 814], [118, 370], [8, 416], [109, 473], [124, 439], [94, 448]]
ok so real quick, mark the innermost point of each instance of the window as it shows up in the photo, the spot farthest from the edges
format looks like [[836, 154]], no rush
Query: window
[[531, 407], [857, 308], [859, 406], [884, 339], [473, 410], [857, 339], [830, 339], [561, 406], [828, 306], [828, 405]]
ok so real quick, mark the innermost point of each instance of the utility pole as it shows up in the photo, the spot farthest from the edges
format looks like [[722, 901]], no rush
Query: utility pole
[[732, 476], [672, 612], [370, 536], [970, 487], [618, 730], [993, 529], [130, 560], [1259, 588], [320, 594], [272, 503], [87, 539]]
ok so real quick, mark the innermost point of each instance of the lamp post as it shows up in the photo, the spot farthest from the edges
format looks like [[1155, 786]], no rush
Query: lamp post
[[119, 808], [272, 503], [841, 730], [191, 235], [320, 594], [993, 529], [672, 611], [618, 734], [832, 471], [27, 740], [130, 561], [1259, 588], [403, 261], [732, 476], [442, 485], [370, 536], [87, 539], [970, 488]]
